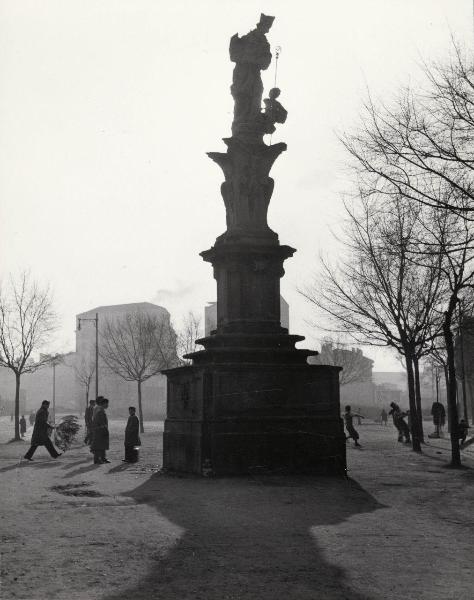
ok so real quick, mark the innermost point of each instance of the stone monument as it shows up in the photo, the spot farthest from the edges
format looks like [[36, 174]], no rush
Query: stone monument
[[250, 401]]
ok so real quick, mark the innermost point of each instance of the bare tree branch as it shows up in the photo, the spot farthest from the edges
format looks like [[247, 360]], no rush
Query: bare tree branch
[[138, 346], [27, 320]]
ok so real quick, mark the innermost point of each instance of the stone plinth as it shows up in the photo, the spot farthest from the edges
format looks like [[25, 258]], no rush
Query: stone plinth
[[232, 419]]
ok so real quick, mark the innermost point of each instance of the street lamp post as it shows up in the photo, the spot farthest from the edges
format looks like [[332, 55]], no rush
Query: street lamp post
[[55, 360], [96, 322]]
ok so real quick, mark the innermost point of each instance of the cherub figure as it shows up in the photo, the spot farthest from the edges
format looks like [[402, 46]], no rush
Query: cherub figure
[[274, 111]]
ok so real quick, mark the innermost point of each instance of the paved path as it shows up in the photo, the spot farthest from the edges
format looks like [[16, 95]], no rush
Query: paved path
[[401, 526]]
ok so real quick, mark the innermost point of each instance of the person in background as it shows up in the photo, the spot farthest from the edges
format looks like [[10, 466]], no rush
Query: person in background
[[88, 421], [384, 417], [401, 426], [100, 431], [32, 418], [462, 431], [132, 439], [41, 430], [438, 413], [348, 420], [22, 426]]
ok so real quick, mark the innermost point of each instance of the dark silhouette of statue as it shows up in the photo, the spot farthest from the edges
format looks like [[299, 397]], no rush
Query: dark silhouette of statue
[[251, 54], [246, 164]]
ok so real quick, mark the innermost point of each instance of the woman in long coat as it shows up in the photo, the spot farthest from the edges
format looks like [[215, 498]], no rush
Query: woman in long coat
[[100, 431], [132, 439], [40, 436]]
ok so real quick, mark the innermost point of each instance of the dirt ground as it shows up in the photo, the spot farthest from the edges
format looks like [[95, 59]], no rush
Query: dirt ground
[[401, 526]]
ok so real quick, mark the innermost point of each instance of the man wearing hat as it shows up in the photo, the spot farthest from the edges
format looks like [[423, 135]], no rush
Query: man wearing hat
[[88, 421], [132, 438], [40, 436], [100, 431]]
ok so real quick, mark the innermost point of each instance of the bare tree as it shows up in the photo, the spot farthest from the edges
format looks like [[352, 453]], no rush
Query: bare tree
[[84, 372], [452, 237], [422, 142], [138, 346], [26, 321], [377, 294], [188, 334], [355, 366]]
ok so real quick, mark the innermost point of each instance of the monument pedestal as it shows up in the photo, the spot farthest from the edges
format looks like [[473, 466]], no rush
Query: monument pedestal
[[250, 400], [233, 419]]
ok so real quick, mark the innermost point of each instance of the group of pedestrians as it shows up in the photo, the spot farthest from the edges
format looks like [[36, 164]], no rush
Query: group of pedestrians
[[398, 420], [402, 427], [97, 432]]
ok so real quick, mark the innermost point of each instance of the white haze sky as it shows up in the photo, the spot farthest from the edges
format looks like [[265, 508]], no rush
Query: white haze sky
[[107, 108]]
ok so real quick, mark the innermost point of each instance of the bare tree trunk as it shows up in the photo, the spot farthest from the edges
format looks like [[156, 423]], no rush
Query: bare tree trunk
[[140, 411], [451, 391], [87, 395], [415, 440], [418, 399], [17, 406]]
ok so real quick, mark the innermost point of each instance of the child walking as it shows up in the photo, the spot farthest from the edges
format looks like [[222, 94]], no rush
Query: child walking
[[348, 420]]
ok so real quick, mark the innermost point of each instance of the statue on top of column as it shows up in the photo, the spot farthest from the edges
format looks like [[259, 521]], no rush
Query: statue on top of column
[[251, 53]]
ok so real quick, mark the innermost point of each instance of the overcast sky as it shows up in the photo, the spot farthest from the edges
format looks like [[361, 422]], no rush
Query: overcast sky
[[107, 108]]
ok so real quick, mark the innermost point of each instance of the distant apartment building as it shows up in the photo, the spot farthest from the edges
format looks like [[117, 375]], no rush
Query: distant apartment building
[[121, 393]]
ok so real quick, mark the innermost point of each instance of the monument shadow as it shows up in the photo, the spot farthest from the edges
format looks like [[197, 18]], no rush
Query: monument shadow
[[248, 538]]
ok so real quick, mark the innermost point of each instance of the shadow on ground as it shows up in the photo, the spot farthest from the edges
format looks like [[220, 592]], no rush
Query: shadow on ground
[[81, 471], [248, 538], [77, 462], [32, 465], [118, 468]]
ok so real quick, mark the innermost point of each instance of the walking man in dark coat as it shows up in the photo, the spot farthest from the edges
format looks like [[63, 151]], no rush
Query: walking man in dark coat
[[100, 431], [41, 431], [88, 421], [132, 439]]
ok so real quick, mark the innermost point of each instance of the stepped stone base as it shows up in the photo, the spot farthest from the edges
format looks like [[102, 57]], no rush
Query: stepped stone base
[[236, 418]]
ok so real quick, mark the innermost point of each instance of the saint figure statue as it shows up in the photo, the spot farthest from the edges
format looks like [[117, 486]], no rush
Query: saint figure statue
[[251, 53]]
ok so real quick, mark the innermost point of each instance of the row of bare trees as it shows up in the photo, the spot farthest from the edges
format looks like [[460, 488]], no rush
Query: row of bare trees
[[408, 240], [27, 320], [135, 347]]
